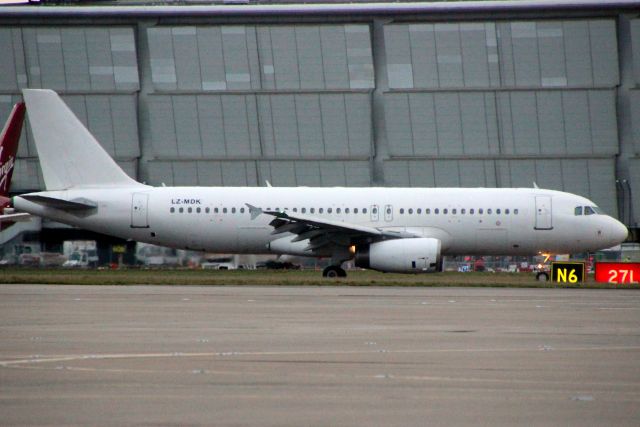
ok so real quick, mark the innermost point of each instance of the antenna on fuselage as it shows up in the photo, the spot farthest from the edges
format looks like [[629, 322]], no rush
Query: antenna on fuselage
[[535, 185]]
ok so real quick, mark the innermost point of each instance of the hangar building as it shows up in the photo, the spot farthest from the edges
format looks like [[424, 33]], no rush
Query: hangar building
[[388, 94]]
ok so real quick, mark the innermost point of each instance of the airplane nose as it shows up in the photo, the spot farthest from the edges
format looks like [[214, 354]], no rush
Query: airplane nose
[[619, 232]]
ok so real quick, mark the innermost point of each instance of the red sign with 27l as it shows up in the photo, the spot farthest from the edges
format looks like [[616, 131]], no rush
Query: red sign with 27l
[[618, 272]]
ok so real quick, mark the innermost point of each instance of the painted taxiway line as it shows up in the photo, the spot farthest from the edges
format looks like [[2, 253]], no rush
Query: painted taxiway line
[[66, 358]]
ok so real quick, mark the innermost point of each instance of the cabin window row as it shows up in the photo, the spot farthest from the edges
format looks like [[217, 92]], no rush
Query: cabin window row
[[173, 209], [461, 211], [409, 211]]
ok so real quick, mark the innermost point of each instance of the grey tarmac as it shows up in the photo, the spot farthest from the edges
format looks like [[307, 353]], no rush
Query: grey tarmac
[[318, 356]]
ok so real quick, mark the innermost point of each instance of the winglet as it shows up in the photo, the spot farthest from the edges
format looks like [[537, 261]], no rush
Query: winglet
[[9, 146]]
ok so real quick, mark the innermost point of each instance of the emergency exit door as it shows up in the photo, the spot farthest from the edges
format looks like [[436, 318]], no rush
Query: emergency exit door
[[544, 218], [140, 210]]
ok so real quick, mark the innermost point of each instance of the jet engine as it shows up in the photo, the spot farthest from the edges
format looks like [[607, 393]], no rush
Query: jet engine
[[413, 255]]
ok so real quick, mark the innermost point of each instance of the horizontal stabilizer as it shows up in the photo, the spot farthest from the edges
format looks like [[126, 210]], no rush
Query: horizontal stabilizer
[[15, 217], [65, 205]]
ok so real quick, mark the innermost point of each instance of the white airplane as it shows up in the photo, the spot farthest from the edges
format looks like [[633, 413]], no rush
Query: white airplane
[[404, 230]]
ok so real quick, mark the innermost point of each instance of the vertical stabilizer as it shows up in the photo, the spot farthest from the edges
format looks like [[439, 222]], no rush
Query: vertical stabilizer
[[9, 147], [69, 155]]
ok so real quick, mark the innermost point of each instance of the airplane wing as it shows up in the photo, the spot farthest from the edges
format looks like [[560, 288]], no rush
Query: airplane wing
[[323, 232]]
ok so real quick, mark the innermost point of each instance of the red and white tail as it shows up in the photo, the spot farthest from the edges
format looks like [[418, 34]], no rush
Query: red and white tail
[[9, 147]]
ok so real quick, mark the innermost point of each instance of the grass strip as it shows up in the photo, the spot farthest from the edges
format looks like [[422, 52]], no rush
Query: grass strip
[[186, 277]]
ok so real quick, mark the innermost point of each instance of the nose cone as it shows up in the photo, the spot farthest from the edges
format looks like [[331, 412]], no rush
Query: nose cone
[[618, 232]]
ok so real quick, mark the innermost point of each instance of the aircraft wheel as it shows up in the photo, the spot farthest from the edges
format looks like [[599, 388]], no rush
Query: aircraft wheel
[[333, 271], [542, 277]]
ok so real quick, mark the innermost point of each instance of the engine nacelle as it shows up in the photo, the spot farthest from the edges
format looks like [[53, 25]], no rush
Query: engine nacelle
[[418, 255]]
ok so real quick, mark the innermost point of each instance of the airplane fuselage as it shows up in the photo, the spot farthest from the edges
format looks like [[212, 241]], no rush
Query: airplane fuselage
[[217, 219]]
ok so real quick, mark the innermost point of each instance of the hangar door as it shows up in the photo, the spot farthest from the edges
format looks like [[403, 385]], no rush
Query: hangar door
[[543, 213]]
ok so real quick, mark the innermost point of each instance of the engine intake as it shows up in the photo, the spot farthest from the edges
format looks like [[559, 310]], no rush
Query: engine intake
[[418, 255]]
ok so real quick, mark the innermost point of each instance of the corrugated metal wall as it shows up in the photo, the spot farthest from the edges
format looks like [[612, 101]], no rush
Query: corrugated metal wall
[[494, 103], [238, 105], [96, 70], [504, 104]]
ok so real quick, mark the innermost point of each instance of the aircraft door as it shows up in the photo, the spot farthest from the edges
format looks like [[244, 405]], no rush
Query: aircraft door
[[375, 214], [388, 213], [543, 213], [140, 210]]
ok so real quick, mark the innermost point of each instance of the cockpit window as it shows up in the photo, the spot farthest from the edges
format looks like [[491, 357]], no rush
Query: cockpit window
[[588, 210]]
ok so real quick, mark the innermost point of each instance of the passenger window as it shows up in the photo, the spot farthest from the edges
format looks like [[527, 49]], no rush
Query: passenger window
[[207, 210], [472, 211], [329, 210], [241, 210], [480, 211], [312, 210], [445, 211], [515, 211], [578, 211], [463, 211], [303, 210], [389, 211], [428, 211], [402, 210], [375, 211], [410, 211], [364, 210], [346, 210], [506, 211], [320, 210], [233, 210], [172, 210], [454, 211], [355, 210], [295, 209], [338, 210], [198, 210], [489, 211], [190, 210], [419, 211], [181, 210], [498, 211], [224, 210], [436, 211], [216, 210]]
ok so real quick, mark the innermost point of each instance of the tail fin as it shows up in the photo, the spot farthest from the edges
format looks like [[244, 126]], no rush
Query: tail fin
[[9, 146], [69, 155]]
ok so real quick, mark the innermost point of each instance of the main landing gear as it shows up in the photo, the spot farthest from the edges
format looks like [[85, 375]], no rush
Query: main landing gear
[[333, 271]]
